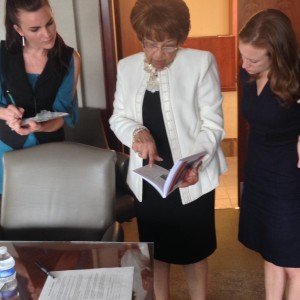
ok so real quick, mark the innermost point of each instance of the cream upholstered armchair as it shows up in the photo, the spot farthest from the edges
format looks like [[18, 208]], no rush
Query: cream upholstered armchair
[[59, 191], [90, 130]]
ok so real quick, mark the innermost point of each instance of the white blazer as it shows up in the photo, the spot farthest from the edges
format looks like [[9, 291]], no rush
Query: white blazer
[[191, 103]]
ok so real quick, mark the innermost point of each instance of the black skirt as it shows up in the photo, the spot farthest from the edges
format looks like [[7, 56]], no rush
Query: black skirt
[[182, 234]]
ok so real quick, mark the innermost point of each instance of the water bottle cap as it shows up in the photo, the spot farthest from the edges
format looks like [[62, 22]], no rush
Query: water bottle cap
[[3, 250]]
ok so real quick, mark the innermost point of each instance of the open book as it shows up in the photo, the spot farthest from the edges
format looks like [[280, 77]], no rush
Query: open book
[[166, 181]]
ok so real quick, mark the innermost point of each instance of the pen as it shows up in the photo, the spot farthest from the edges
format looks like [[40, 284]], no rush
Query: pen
[[10, 97], [43, 269]]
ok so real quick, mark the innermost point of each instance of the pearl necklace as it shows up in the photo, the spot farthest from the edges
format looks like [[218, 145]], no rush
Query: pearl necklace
[[153, 82]]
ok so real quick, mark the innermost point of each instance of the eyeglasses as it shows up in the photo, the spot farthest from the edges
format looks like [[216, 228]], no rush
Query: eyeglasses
[[154, 47]]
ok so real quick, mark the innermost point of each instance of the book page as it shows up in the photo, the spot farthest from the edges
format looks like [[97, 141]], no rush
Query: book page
[[155, 175], [89, 284]]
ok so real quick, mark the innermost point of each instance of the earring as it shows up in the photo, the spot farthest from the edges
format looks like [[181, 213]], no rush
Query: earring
[[23, 41]]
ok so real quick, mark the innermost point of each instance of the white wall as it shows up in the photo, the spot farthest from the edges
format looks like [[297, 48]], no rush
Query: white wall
[[78, 23]]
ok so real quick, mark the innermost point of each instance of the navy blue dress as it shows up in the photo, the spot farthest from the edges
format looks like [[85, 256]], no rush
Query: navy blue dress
[[182, 234], [270, 205]]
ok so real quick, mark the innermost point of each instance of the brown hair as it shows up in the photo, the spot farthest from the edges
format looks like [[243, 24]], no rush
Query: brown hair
[[161, 19], [13, 39], [272, 30]]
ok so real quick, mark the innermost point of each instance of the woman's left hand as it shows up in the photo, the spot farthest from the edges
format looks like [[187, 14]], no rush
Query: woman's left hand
[[190, 178], [28, 128], [31, 126]]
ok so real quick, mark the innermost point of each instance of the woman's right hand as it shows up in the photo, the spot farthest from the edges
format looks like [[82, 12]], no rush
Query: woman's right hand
[[12, 115], [144, 145]]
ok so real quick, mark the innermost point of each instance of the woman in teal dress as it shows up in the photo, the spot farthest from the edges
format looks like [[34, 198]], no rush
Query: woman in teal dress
[[38, 71]]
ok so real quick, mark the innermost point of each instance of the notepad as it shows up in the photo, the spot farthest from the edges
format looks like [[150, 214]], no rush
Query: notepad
[[44, 116]]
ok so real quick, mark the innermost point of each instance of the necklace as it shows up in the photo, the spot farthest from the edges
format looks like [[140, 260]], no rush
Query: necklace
[[153, 82]]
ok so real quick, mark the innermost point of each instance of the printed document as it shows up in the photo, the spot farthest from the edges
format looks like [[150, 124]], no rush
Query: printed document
[[89, 284]]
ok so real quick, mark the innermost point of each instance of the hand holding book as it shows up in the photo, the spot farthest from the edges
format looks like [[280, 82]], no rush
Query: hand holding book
[[182, 174], [190, 177]]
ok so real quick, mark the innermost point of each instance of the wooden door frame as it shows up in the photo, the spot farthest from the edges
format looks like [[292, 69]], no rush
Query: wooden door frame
[[106, 21], [109, 50]]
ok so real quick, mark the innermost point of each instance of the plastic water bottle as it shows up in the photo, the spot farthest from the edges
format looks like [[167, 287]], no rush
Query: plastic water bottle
[[8, 281]]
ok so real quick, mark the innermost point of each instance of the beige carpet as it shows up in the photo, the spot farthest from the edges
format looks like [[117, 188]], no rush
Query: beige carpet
[[235, 273]]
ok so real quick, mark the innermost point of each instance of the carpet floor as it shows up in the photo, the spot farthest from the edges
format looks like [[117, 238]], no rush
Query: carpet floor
[[235, 273]]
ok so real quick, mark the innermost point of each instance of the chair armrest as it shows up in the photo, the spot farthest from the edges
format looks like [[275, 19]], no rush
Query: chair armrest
[[125, 210], [121, 172]]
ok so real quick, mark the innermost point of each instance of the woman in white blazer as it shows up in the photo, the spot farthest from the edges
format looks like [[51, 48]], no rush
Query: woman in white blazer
[[168, 105]]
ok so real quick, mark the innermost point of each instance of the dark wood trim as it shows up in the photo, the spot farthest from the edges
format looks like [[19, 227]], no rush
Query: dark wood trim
[[106, 20], [109, 50], [119, 39], [243, 133], [224, 50]]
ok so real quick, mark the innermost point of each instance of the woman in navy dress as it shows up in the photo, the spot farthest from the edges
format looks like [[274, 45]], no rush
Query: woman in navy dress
[[270, 205]]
